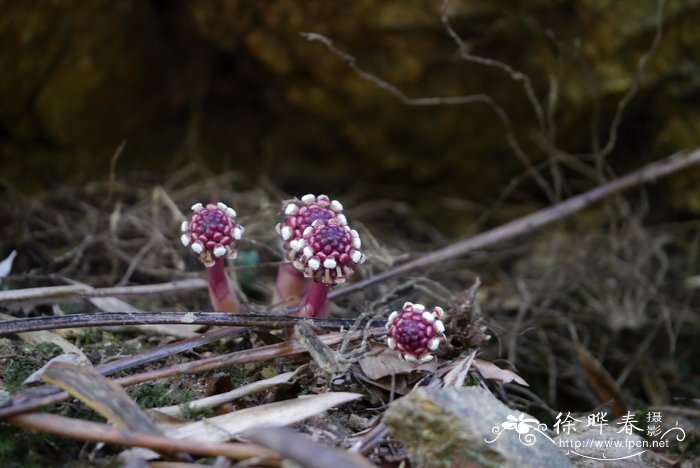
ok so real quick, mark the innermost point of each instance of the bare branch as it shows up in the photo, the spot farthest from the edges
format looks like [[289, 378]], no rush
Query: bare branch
[[502, 115], [514, 74], [632, 92], [96, 432], [534, 221], [103, 319]]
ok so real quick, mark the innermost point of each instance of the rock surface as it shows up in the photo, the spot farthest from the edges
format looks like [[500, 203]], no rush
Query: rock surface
[[450, 427]]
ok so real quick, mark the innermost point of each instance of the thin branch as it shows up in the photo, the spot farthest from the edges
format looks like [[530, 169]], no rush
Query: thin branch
[[96, 432], [514, 74], [31, 400], [70, 291], [641, 65], [502, 115], [529, 223], [103, 319]]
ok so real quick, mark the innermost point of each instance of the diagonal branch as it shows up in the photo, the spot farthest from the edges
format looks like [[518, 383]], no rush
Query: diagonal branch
[[530, 223]]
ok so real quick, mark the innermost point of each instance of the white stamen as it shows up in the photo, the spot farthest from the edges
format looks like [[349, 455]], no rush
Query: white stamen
[[329, 263], [356, 242], [342, 220], [197, 207], [307, 232], [439, 326], [339, 279], [391, 343], [392, 316], [336, 206], [407, 305], [286, 232], [314, 264], [185, 239], [298, 265], [231, 212], [198, 247], [185, 226], [433, 344], [437, 310], [356, 256], [410, 357], [418, 308], [209, 263], [237, 232], [291, 209], [308, 252], [219, 251], [426, 357], [309, 198], [323, 200], [427, 316], [222, 206], [327, 277]]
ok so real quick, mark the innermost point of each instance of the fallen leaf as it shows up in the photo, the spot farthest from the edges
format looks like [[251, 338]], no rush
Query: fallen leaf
[[601, 381], [225, 427], [37, 337], [113, 304], [6, 264], [280, 413], [101, 394], [216, 400], [68, 358], [458, 371], [491, 371], [388, 361]]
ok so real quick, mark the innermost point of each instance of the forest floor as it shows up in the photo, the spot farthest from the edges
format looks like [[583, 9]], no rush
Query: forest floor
[[594, 313]]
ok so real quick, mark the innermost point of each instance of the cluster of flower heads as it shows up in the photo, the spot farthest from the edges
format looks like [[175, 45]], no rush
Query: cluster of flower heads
[[415, 331], [318, 241], [212, 232]]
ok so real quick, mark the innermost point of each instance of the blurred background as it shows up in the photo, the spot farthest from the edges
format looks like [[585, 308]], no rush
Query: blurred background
[[233, 85], [430, 121]]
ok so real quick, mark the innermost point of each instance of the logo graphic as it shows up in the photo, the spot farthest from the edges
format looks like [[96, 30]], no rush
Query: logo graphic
[[529, 430]]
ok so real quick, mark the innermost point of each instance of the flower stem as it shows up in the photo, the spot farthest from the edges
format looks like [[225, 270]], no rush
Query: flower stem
[[316, 302], [222, 296], [290, 286]]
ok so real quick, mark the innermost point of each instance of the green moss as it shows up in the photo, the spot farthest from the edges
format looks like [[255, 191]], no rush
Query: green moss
[[153, 395], [16, 373], [23, 449], [193, 415]]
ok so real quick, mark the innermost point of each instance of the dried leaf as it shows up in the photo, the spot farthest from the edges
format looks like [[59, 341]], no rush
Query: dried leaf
[[388, 362], [113, 304], [6, 264], [305, 451], [101, 394], [601, 381], [281, 413], [68, 358], [458, 371], [491, 371], [216, 400], [37, 337]]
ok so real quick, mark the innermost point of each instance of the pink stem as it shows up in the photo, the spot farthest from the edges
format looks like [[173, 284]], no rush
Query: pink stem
[[316, 302], [222, 296], [290, 286]]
